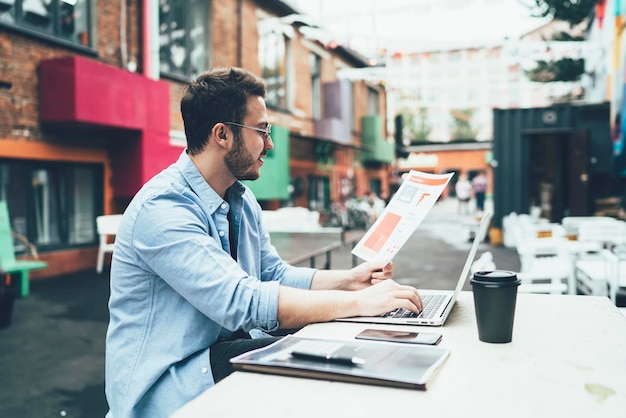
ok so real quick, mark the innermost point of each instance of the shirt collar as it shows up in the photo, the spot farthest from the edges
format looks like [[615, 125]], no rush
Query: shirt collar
[[197, 183]]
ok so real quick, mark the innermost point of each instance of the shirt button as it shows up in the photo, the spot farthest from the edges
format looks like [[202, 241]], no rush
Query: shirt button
[[223, 206], [221, 233], [205, 370]]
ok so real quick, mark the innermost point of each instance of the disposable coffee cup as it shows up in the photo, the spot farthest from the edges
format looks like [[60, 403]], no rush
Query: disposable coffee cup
[[495, 294]]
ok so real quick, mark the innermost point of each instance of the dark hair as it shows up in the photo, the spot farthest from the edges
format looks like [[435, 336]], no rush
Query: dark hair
[[218, 95]]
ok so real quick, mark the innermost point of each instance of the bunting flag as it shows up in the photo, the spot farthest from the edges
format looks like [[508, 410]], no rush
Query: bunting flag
[[619, 16], [600, 11], [618, 56], [623, 122], [619, 31]]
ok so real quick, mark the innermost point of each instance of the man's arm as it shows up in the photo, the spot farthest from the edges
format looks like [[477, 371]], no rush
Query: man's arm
[[299, 307], [359, 277]]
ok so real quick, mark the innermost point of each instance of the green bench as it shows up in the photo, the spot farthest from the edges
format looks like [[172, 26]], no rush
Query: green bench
[[8, 263]]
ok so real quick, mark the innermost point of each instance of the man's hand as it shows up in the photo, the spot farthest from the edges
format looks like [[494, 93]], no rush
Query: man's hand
[[369, 273], [388, 295], [298, 307]]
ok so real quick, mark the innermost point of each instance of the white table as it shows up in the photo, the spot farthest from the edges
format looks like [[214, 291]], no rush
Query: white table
[[567, 359]]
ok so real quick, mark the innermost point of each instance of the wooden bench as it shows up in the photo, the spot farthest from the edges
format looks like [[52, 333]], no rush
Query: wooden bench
[[8, 262]]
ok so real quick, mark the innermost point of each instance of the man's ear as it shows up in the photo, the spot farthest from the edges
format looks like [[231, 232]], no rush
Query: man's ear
[[219, 132]]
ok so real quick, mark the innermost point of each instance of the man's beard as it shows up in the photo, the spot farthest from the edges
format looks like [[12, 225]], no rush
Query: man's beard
[[240, 162]]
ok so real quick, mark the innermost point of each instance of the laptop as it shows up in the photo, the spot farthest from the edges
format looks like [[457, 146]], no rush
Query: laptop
[[437, 303]]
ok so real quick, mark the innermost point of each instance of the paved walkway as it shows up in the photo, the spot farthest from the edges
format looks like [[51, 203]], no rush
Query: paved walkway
[[434, 255], [52, 356]]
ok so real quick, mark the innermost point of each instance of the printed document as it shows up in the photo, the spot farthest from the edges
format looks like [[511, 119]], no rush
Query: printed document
[[416, 196]]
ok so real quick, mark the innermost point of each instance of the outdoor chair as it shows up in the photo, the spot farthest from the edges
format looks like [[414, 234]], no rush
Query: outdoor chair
[[547, 275], [483, 263], [546, 266], [8, 262], [616, 273], [107, 229], [593, 272], [509, 229]]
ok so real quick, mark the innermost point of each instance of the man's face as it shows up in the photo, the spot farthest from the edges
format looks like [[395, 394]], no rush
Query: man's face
[[245, 158]]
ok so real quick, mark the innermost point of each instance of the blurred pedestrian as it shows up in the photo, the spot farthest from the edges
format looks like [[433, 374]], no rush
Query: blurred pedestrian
[[479, 187], [376, 204], [463, 189]]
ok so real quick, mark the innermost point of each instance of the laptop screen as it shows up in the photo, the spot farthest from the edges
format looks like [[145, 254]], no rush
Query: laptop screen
[[478, 238]]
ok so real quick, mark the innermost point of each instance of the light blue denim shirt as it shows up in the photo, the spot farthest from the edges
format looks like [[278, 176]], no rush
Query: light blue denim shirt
[[176, 290]]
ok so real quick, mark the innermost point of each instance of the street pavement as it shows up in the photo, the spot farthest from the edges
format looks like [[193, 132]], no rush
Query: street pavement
[[52, 355]]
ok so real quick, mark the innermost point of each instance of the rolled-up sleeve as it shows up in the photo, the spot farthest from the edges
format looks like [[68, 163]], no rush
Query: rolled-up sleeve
[[267, 308], [300, 277]]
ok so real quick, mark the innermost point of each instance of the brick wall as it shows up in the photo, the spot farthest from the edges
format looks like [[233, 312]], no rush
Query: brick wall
[[20, 55]]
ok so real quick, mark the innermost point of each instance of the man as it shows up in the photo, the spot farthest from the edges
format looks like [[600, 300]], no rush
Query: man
[[463, 189], [377, 205], [479, 187], [194, 274]]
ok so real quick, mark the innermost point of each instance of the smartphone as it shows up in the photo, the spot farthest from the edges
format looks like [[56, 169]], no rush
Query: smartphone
[[400, 336]]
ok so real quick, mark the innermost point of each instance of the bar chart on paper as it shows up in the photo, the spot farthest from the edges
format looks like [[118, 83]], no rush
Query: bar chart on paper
[[404, 213]]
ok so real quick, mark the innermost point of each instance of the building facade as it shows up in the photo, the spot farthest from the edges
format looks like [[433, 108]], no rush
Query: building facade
[[89, 110]]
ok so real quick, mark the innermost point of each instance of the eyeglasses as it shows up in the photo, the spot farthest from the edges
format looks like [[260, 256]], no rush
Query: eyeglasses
[[265, 133]]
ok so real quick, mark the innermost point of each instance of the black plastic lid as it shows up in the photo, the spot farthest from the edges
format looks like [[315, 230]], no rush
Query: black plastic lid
[[496, 276]]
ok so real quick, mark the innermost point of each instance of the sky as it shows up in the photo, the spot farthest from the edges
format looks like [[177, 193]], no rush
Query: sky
[[413, 25]]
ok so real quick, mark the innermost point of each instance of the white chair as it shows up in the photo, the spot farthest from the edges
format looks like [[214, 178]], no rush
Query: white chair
[[509, 225], [593, 272], [107, 227], [546, 266], [525, 227], [595, 239], [616, 276], [549, 277], [483, 263]]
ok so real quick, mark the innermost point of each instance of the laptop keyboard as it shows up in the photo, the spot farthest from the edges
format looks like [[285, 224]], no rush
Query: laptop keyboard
[[431, 305]]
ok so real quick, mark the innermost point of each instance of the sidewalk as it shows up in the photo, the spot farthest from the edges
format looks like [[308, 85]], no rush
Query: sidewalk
[[52, 355]]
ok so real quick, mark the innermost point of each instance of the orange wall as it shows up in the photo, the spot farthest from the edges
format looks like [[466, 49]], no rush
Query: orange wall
[[461, 161]]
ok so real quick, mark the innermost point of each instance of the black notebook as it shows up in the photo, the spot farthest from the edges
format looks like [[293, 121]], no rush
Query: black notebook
[[369, 362]]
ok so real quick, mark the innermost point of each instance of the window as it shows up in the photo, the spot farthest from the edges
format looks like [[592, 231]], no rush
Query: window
[[273, 48], [53, 205], [64, 19], [373, 102], [183, 37], [351, 110], [315, 64], [319, 193], [376, 186]]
